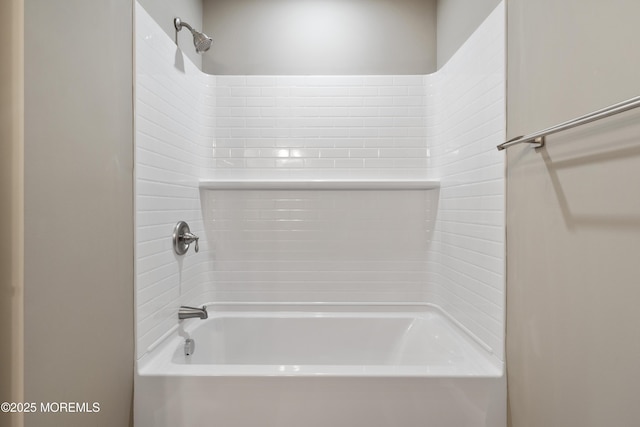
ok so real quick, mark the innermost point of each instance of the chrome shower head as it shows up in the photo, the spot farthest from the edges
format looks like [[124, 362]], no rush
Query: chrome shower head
[[201, 41]]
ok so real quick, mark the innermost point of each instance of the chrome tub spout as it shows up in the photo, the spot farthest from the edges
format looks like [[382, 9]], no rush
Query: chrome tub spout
[[187, 312]]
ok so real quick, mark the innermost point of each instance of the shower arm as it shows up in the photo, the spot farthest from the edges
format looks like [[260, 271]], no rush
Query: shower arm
[[178, 24]]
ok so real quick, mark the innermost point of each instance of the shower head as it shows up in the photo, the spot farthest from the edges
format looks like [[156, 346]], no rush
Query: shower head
[[201, 41]]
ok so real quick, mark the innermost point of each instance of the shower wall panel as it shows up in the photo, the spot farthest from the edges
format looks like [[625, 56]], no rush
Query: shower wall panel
[[319, 246], [173, 140], [468, 241], [321, 127]]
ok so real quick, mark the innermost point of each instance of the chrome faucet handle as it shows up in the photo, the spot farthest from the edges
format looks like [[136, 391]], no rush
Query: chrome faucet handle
[[183, 237], [189, 238]]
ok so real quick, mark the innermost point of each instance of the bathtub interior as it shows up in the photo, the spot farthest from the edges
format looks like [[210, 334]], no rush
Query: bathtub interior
[[330, 340]]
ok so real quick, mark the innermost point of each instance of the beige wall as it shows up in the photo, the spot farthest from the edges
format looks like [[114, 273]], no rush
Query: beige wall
[[190, 11], [320, 37], [78, 209], [573, 216], [457, 20], [11, 206]]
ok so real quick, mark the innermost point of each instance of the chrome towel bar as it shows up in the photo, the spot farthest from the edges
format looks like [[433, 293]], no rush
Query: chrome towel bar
[[537, 139]]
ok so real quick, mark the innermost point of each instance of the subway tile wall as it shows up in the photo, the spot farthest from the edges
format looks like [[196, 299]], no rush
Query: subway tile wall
[[444, 247], [321, 245], [173, 147], [314, 246], [321, 127], [468, 241]]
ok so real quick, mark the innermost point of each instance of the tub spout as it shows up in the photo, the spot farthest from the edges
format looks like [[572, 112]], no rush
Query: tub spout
[[187, 312]]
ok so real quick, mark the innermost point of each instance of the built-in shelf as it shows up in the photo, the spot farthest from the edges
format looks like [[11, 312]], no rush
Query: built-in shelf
[[320, 184]]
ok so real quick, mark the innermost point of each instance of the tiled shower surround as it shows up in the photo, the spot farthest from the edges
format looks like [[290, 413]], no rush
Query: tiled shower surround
[[321, 126], [444, 246], [467, 249], [319, 245]]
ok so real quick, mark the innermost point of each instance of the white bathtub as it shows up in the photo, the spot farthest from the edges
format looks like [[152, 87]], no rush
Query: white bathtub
[[308, 366]]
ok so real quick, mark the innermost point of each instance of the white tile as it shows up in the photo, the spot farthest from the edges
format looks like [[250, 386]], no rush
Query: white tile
[[276, 112], [275, 91], [378, 80], [363, 132], [244, 91], [393, 132], [349, 163], [408, 100], [230, 122], [319, 163], [363, 91], [260, 122], [378, 101], [393, 91], [230, 102], [291, 81], [304, 152], [363, 152], [363, 112], [334, 152], [274, 152], [289, 163], [394, 111], [260, 102], [319, 91], [260, 163], [229, 81]]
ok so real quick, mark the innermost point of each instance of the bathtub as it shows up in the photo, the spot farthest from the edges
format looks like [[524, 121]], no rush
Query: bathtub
[[321, 365]]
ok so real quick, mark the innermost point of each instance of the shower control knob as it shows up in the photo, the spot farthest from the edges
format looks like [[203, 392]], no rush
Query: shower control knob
[[183, 238], [189, 238]]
